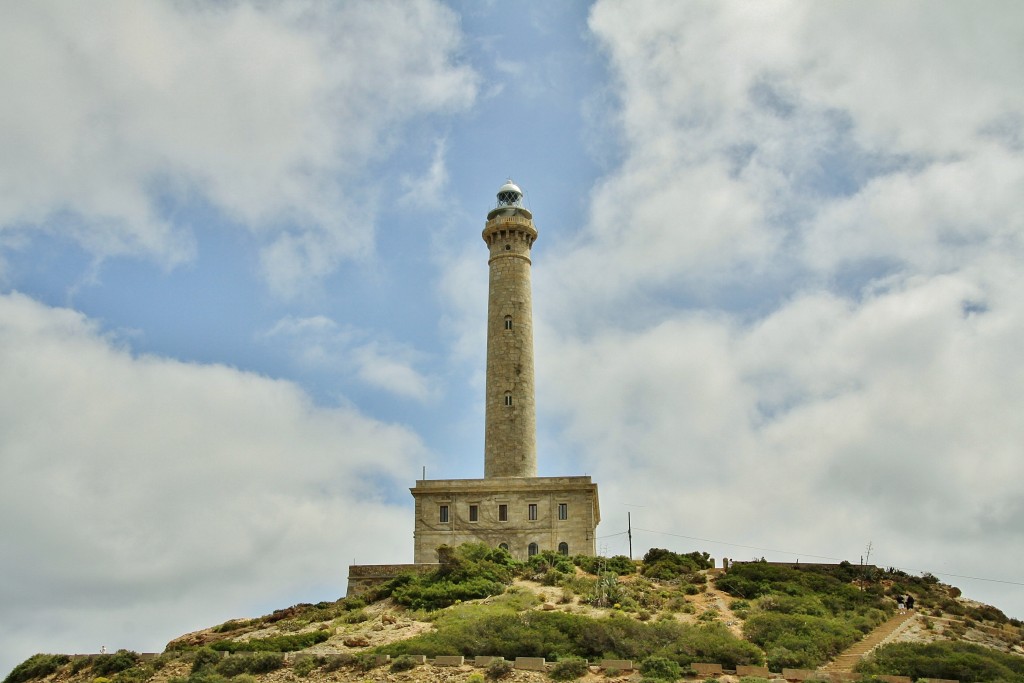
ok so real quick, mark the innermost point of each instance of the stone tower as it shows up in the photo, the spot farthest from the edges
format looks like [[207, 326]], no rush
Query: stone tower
[[511, 507], [510, 423]]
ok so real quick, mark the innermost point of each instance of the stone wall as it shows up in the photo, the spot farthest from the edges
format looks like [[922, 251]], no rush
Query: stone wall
[[363, 577], [510, 420]]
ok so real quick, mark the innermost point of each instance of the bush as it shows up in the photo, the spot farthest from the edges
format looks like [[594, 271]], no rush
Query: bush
[[207, 675], [467, 572], [569, 669], [799, 640], [403, 663], [256, 663], [965, 662], [499, 669], [336, 662], [661, 668], [549, 634], [364, 661], [112, 664], [265, 662], [205, 657], [305, 666], [36, 666], [620, 565], [354, 617], [288, 643], [666, 565]]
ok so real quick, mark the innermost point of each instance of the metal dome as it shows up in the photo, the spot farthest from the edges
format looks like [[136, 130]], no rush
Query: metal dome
[[509, 194]]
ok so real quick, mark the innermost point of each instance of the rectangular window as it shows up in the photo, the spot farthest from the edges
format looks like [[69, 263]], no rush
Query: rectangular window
[[503, 513], [444, 514], [532, 512], [474, 513], [563, 511]]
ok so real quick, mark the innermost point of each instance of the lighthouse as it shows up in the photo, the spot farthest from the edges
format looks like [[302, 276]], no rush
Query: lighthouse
[[510, 507], [510, 420]]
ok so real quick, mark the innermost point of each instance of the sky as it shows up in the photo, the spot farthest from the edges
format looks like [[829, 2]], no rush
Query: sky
[[243, 290]]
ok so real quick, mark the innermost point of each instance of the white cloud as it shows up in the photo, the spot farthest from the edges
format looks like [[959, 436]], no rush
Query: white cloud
[[318, 343], [765, 140], [142, 497], [269, 113], [790, 321], [428, 190]]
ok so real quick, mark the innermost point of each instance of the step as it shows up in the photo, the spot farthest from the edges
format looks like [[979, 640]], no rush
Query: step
[[847, 659]]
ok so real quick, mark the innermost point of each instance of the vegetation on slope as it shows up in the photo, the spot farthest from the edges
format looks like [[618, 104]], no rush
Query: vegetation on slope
[[963, 662], [663, 612], [502, 628], [804, 616]]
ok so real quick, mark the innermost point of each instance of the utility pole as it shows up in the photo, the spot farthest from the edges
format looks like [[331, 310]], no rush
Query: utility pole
[[629, 529]]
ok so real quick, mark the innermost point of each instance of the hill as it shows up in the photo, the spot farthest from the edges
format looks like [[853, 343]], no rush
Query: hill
[[665, 614]]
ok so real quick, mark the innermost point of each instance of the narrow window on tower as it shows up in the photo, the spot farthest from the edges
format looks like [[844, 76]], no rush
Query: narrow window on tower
[[474, 513], [508, 322], [503, 513], [563, 548], [563, 511], [508, 398], [444, 514], [532, 549], [531, 512]]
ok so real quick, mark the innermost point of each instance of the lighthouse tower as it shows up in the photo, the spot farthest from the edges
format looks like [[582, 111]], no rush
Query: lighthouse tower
[[510, 507], [510, 423]]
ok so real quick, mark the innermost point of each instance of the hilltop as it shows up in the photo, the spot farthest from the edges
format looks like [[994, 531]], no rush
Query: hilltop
[[665, 613]]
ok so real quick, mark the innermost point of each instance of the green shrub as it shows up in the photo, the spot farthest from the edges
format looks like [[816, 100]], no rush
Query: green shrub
[[354, 617], [232, 625], [364, 661], [504, 633], [467, 572], [255, 663], [666, 565], [965, 662], [499, 669], [799, 640], [569, 669], [286, 643], [244, 678], [36, 666], [207, 675], [265, 662], [80, 663], [475, 678], [232, 666], [403, 663], [113, 663], [305, 666], [620, 565], [205, 657], [661, 669]]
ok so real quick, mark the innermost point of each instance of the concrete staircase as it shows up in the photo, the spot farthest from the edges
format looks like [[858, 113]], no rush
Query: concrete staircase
[[853, 654]]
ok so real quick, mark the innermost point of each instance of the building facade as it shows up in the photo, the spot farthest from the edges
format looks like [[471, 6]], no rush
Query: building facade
[[511, 506]]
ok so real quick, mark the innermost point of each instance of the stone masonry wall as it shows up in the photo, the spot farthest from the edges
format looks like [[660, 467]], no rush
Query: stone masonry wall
[[510, 422]]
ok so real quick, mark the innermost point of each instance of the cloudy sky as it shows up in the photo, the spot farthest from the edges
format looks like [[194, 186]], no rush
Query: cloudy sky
[[242, 288]]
